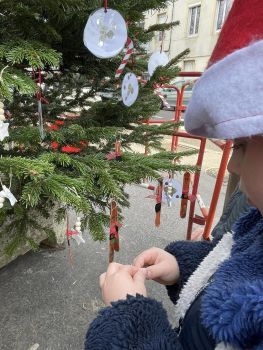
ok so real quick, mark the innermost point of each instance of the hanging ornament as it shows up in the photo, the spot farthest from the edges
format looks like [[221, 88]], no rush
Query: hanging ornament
[[158, 93], [114, 245], [77, 236], [125, 60], [158, 205], [117, 153], [172, 191], [3, 130], [40, 100], [2, 112], [6, 193], [185, 192], [129, 89], [157, 59], [105, 33]]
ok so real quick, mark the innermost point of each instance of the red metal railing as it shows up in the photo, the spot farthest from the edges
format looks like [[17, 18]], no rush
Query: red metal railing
[[208, 215]]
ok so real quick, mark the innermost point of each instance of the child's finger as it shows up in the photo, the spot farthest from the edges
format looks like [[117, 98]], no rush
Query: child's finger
[[130, 269], [140, 276], [146, 258], [156, 271], [113, 267], [102, 279]]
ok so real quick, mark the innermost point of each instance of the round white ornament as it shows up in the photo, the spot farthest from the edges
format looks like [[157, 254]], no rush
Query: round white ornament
[[105, 33], [157, 59], [2, 199], [129, 89]]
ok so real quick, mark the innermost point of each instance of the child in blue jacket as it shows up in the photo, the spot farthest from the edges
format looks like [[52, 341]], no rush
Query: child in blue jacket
[[217, 286]]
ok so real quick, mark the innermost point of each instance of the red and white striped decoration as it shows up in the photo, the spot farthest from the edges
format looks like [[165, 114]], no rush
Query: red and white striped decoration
[[166, 104], [130, 47]]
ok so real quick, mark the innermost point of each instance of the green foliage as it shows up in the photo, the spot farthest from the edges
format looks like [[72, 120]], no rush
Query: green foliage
[[47, 35]]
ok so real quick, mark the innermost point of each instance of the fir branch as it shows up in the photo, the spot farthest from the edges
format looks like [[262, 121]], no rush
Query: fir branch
[[162, 27]]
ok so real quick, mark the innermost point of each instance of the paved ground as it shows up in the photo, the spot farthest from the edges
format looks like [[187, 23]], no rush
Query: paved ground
[[47, 304]]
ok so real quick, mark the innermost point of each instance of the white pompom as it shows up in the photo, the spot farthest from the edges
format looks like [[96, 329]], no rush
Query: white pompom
[[2, 199], [1, 205]]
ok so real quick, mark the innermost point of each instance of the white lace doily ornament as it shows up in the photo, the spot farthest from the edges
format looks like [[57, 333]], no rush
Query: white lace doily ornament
[[157, 59], [129, 89], [105, 33]]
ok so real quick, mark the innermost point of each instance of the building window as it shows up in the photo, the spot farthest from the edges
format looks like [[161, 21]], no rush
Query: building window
[[189, 66], [194, 17], [223, 7], [162, 18]]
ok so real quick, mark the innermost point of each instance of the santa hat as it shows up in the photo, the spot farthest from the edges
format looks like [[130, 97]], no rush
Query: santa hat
[[227, 100]]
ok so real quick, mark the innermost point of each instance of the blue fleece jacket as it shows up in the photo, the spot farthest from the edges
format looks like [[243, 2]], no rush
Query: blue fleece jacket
[[231, 307]]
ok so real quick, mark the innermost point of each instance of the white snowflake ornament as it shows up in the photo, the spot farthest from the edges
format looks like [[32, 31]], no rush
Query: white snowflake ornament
[[157, 59], [3, 130], [105, 33], [129, 89]]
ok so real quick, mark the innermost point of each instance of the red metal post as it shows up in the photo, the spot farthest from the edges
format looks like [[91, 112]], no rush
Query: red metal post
[[195, 188], [217, 189]]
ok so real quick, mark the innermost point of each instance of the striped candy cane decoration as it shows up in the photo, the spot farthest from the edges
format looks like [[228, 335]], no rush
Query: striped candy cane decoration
[[166, 104], [130, 46]]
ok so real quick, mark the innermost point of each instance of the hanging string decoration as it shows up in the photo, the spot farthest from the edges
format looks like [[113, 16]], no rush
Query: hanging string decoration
[[129, 52], [129, 89], [172, 191], [105, 33], [3, 125], [117, 153], [185, 192], [158, 205], [40, 100], [114, 245]]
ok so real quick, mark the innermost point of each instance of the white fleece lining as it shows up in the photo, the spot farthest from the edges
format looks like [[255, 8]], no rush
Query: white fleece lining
[[222, 346], [199, 279]]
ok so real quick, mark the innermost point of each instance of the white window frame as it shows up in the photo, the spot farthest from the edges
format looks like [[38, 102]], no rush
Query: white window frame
[[224, 13], [161, 34], [190, 9]]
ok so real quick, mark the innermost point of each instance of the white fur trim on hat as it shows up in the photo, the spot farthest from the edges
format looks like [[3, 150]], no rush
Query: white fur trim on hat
[[227, 101]]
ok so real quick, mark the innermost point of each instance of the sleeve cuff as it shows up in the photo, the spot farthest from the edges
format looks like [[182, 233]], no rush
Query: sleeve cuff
[[135, 323]]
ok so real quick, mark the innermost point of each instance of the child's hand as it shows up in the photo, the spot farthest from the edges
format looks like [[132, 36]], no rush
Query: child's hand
[[120, 280], [161, 266]]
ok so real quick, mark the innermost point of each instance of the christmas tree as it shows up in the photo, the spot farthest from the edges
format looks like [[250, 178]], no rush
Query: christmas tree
[[46, 71]]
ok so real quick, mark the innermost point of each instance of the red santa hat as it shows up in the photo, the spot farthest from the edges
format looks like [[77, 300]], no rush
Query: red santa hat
[[227, 101]]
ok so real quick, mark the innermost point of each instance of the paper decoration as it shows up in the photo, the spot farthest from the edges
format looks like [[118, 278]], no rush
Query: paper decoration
[[172, 191], [129, 89], [3, 130], [78, 238], [125, 60], [105, 33], [165, 102], [157, 59], [2, 112], [6, 193]]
